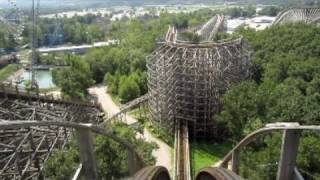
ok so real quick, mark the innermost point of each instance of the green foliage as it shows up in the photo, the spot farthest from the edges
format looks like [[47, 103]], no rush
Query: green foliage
[[8, 70], [189, 36], [270, 11], [204, 154], [74, 79], [59, 59], [76, 30], [62, 165], [285, 78], [259, 160], [128, 89], [111, 157], [309, 154], [161, 133], [284, 87], [247, 11], [112, 82], [7, 41]]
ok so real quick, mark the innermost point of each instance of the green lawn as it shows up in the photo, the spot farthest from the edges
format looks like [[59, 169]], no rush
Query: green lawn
[[204, 154], [6, 71]]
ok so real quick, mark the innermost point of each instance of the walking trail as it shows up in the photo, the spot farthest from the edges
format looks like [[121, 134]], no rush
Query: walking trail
[[162, 154]]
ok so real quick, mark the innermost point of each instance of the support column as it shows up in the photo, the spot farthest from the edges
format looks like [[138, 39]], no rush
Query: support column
[[235, 161], [289, 150], [87, 156], [133, 163]]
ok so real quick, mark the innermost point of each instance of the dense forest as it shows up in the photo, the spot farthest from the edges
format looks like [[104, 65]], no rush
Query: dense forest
[[284, 87]]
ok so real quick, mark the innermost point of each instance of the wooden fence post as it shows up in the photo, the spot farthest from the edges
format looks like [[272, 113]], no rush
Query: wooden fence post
[[289, 150]]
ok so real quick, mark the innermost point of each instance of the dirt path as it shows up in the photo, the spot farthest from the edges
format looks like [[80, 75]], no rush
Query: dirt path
[[162, 154]]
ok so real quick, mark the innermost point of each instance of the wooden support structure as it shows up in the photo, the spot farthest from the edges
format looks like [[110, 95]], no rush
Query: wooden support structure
[[28, 156], [235, 161], [186, 80], [134, 164], [308, 15], [87, 156], [289, 151]]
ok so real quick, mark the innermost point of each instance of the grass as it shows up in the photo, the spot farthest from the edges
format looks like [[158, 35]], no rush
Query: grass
[[156, 132], [161, 134], [204, 154], [138, 111], [6, 71]]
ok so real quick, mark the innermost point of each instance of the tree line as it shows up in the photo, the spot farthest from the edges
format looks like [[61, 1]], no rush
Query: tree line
[[284, 87]]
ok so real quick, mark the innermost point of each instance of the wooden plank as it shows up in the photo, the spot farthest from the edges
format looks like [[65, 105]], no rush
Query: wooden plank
[[289, 150]]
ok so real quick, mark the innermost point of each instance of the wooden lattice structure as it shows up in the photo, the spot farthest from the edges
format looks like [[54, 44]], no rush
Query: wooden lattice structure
[[209, 30], [185, 80], [306, 15], [24, 151]]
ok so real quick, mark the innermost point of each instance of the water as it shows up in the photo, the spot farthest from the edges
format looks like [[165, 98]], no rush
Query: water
[[43, 78]]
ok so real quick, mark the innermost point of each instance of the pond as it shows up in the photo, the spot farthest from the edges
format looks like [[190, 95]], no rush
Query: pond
[[43, 78]]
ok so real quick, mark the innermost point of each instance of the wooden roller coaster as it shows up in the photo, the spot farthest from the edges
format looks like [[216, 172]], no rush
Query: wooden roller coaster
[[185, 81], [293, 15]]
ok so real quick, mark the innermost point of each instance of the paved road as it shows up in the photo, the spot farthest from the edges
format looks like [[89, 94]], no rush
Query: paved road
[[162, 154]]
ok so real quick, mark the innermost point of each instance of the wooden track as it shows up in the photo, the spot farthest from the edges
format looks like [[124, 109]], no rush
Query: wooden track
[[181, 154], [216, 174], [292, 15], [152, 173]]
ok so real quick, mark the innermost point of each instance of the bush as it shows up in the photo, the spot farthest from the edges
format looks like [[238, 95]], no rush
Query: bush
[[74, 79], [128, 89]]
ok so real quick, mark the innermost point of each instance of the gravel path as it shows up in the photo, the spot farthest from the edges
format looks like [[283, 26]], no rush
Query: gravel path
[[162, 154]]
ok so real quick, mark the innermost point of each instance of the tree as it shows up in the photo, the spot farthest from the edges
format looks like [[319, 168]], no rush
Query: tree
[[74, 79], [112, 82], [269, 11], [62, 165], [128, 89], [284, 88]]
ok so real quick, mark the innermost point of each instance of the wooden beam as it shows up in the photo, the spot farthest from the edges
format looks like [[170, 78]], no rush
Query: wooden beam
[[87, 156], [235, 161], [289, 150]]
